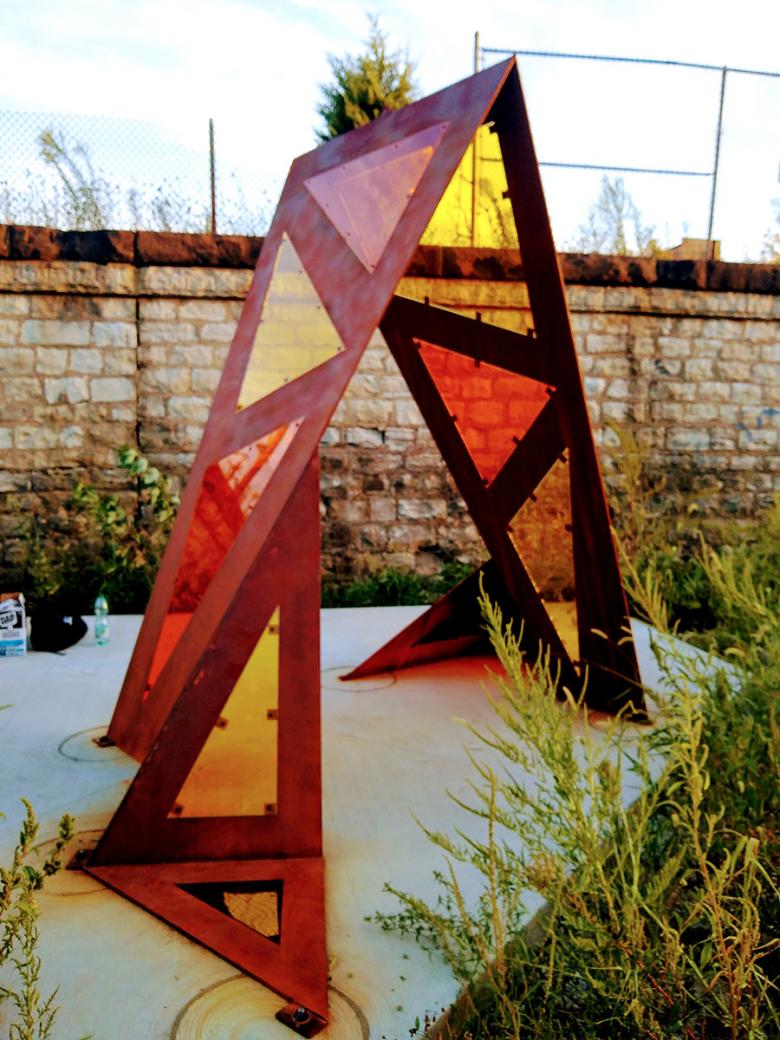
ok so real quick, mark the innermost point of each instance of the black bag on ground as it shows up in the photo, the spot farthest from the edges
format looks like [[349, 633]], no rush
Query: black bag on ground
[[54, 630]]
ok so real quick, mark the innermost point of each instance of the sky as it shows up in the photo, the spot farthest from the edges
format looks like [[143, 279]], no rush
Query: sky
[[256, 66]]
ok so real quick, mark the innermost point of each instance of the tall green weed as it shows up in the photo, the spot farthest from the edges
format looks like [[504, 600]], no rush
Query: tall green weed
[[660, 915]]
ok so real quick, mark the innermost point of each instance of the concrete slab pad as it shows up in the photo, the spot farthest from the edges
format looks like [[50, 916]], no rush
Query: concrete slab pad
[[392, 748]]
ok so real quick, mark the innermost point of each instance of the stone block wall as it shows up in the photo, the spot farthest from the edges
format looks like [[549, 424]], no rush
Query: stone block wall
[[111, 338]]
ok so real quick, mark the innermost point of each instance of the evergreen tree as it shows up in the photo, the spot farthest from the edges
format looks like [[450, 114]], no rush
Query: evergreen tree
[[365, 85]]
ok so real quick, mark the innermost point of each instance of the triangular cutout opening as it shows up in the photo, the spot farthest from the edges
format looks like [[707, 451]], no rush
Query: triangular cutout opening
[[219, 905], [236, 773], [294, 335], [365, 198], [492, 408], [541, 532], [231, 489], [256, 904]]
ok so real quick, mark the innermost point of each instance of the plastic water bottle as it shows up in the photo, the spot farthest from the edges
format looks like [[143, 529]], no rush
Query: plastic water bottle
[[101, 620]]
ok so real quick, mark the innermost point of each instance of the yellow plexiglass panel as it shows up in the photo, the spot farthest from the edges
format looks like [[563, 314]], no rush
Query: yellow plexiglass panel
[[541, 533], [481, 216], [235, 773], [295, 333]]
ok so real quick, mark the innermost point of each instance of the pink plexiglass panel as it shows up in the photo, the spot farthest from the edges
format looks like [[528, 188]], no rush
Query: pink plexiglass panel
[[365, 198]]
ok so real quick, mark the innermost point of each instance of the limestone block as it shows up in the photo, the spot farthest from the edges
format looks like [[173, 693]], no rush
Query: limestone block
[[706, 348], [35, 437], [680, 438], [619, 388], [23, 388], [84, 359], [206, 379], [360, 437], [611, 366], [115, 388], [382, 509], [746, 393], [698, 368], [158, 310], [120, 362], [715, 391], [9, 332], [193, 408], [72, 437], [165, 332], [165, 380], [421, 508], [605, 343], [218, 332], [71, 389], [14, 306], [733, 371], [702, 412], [114, 334], [673, 346], [61, 333], [763, 440], [617, 411], [51, 361], [203, 310]]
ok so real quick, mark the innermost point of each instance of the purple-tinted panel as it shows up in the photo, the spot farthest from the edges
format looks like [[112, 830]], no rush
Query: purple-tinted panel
[[364, 199]]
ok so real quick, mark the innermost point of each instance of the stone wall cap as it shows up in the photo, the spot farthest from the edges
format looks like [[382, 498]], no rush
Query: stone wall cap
[[173, 249]]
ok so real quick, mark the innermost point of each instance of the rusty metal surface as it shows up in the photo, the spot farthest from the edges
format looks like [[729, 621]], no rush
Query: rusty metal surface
[[348, 222], [295, 966]]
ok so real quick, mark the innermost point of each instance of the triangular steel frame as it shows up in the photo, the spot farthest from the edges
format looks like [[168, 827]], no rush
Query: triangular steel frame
[[274, 560]]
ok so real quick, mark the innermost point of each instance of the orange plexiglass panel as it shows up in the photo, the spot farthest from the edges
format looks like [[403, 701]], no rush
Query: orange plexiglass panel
[[231, 489], [235, 773], [365, 198], [295, 333], [493, 409], [542, 534]]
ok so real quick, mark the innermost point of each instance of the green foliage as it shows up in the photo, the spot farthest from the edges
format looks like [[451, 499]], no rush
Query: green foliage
[[20, 883], [393, 588], [69, 190], [88, 197], [660, 918], [101, 544], [365, 85], [770, 247], [668, 543]]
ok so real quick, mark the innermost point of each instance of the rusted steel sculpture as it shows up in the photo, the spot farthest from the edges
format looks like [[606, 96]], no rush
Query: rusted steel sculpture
[[220, 832]]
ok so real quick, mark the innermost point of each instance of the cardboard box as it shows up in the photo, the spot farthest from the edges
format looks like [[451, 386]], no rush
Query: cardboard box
[[13, 625]]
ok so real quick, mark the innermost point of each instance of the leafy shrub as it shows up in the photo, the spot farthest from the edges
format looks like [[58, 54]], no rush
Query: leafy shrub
[[393, 588], [100, 544]]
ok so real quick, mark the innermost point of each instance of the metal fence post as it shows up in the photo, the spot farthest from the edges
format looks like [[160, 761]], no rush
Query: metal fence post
[[474, 157], [213, 178], [718, 134]]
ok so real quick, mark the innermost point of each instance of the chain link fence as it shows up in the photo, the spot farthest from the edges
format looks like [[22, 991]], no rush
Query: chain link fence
[[88, 172], [696, 146]]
